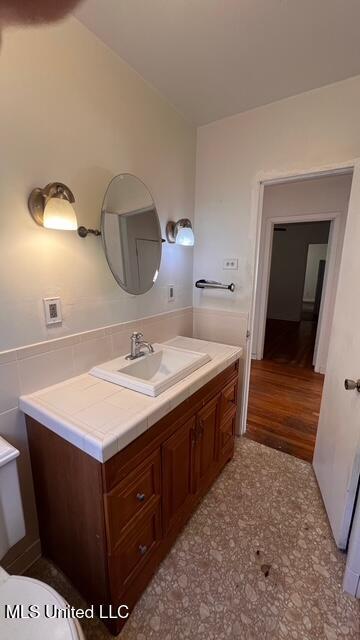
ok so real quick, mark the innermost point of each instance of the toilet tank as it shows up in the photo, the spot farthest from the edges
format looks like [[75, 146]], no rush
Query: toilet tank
[[12, 526]]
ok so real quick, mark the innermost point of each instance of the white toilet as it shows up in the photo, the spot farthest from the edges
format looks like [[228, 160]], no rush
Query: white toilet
[[17, 590]]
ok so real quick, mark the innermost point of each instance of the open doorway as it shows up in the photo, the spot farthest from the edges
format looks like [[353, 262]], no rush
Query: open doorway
[[301, 240], [297, 271]]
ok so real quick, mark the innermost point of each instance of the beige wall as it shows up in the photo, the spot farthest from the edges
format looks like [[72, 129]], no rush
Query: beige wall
[[288, 266], [312, 129], [325, 195], [328, 194], [72, 111], [308, 130], [316, 253]]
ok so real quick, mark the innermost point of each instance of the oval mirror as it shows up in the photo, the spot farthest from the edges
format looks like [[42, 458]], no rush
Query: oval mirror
[[131, 233]]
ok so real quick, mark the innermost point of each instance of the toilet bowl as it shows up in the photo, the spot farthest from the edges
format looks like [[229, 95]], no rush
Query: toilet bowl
[[24, 597], [29, 609]]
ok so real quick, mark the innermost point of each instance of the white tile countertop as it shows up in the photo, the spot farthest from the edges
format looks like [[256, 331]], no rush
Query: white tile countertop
[[102, 418]]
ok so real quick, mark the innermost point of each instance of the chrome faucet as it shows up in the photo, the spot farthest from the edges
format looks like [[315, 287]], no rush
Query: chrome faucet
[[137, 343]]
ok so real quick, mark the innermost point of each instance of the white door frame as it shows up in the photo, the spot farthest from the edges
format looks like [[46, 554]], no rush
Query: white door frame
[[330, 281], [257, 197]]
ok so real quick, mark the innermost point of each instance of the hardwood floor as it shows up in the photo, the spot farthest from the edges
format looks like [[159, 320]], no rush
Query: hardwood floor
[[284, 406], [285, 393], [290, 342]]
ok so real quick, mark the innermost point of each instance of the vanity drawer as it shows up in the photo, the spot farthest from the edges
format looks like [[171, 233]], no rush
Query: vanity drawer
[[134, 551], [132, 497]]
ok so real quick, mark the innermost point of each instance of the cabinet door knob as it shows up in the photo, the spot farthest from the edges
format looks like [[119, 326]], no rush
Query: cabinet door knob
[[141, 497], [142, 549]]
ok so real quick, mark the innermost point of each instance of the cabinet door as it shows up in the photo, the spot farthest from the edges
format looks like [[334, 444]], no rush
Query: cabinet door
[[178, 475], [207, 444]]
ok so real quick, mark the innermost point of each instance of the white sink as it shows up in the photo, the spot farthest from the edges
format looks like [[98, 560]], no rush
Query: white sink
[[153, 373]]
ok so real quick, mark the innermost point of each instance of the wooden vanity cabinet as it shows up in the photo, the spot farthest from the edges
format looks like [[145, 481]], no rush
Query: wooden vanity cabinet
[[108, 526]]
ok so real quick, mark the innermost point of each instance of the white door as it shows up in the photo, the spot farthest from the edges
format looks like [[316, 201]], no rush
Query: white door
[[337, 452]]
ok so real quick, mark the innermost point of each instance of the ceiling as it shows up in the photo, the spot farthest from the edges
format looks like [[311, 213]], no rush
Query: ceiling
[[215, 58]]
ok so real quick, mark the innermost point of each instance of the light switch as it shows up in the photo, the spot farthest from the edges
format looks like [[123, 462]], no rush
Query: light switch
[[52, 308], [231, 263]]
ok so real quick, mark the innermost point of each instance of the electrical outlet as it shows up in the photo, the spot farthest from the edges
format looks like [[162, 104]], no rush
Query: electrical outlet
[[231, 263], [52, 309], [171, 292]]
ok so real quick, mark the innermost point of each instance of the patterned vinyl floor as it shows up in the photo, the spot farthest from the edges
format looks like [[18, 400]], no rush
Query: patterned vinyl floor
[[256, 561]]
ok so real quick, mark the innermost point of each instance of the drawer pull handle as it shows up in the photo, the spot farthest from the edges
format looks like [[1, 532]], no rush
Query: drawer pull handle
[[142, 549], [141, 497]]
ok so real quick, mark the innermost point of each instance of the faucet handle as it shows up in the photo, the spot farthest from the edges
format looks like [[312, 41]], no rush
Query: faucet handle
[[137, 335]]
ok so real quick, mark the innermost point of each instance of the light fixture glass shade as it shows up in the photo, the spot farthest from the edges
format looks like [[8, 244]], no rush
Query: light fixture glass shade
[[185, 237], [59, 214]]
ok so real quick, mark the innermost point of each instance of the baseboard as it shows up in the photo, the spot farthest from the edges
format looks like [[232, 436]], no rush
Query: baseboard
[[25, 560]]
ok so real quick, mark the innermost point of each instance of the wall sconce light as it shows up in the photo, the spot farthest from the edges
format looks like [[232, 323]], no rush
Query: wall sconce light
[[52, 207], [180, 232]]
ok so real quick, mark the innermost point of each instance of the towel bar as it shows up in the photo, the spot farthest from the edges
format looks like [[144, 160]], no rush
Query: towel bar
[[212, 284]]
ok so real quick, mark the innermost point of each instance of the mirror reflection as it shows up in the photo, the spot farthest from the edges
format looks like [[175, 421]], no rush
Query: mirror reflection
[[131, 233]]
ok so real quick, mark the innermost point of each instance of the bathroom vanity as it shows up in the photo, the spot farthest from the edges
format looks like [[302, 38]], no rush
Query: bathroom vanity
[[111, 504]]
